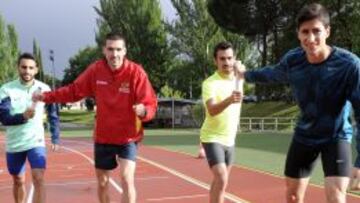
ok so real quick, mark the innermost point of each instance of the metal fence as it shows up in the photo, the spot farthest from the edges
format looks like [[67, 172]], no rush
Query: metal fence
[[266, 123]]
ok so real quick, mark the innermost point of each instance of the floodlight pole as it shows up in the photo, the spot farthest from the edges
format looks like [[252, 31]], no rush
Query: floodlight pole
[[52, 59]]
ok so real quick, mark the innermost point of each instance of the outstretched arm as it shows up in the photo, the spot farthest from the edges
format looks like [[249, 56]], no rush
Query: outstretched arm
[[80, 88], [277, 73]]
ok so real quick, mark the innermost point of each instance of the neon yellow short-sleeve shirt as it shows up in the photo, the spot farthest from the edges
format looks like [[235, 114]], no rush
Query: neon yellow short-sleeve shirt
[[221, 128]]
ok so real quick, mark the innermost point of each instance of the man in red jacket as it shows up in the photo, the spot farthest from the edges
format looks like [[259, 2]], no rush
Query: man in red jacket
[[124, 98]]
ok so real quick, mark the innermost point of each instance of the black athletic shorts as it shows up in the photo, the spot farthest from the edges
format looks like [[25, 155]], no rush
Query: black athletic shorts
[[335, 157], [106, 154], [217, 153]]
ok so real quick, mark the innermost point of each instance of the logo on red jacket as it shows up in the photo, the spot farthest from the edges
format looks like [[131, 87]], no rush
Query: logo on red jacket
[[124, 87], [101, 82]]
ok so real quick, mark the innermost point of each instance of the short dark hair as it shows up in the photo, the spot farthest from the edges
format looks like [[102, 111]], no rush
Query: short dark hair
[[114, 36], [222, 46], [311, 12], [26, 55]]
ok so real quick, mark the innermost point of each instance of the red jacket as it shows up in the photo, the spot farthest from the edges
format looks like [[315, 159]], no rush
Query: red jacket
[[115, 92]]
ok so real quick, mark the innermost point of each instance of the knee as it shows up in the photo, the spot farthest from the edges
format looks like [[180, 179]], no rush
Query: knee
[[19, 181], [127, 180], [38, 180], [103, 182], [293, 197], [221, 180], [336, 195]]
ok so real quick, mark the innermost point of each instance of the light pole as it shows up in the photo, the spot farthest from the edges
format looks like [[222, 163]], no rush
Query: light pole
[[52, 59]]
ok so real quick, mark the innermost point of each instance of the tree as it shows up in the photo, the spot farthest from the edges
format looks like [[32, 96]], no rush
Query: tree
[[37, 54], [79, 63], [140, 21], [193, 34], [345, 27], [269, 22], [8, 52]]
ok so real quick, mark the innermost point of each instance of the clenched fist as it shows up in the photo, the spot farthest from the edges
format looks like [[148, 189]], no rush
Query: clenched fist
[[239, 69], [139, 110], [29, 113]]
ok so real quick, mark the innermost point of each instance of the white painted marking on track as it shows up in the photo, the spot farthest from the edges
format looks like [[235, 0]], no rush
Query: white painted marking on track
[[176, 198], [72, 183], [112, 182], [153, 178], [190, 179], [31, 194], [5, 188], [180, 175]]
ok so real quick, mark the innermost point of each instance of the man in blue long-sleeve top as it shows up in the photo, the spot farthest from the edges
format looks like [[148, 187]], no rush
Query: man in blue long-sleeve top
[[24, 128], [325, 81]]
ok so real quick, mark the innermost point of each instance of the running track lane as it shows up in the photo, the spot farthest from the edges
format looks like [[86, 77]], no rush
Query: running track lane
[[155, 184], [70, 178], [248, 184]]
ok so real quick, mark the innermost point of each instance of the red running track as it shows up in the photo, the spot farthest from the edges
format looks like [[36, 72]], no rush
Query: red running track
[[162, 176]]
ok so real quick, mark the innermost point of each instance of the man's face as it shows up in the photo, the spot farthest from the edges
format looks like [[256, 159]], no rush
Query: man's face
[[114, 52], [225, 61], [312, 35], [27, 70]]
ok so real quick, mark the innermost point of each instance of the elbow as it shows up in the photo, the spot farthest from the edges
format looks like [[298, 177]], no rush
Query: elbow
[[7, 123], [212, 112]]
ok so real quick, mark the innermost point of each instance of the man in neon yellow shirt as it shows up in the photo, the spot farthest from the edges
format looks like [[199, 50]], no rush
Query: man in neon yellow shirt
[[222, 96]]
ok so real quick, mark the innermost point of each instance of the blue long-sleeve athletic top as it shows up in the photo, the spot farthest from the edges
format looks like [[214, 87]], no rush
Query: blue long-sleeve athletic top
[[23, 134], [6, 118], [323, 91]]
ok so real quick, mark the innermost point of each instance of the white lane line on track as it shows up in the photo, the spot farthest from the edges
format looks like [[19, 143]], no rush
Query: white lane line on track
[[180, 175], [72, 183], [190, 179], [152, 178], [176, 198], [112, 182], [31, 194]]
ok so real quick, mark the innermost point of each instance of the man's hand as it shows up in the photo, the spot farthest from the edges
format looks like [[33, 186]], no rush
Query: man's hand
[[239, 69], [37, 96], [55, 147], [139, 110], [235, 97], [29, 113], [355, 179]]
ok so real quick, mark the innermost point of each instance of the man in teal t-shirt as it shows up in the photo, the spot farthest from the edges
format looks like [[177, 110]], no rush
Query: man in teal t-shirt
[[24, 128], [222, 96]]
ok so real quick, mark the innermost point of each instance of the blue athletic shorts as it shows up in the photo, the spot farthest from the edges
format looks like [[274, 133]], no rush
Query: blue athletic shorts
[[106, 154], [16, 160]]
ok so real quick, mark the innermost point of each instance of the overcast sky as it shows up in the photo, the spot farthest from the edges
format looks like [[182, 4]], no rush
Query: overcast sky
[[65, 26]]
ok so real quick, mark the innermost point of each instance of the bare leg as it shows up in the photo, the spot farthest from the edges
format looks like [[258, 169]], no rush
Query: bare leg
[[19, 190], [39, 187], [220, 179], [335, 189], [201, 152], [295, 189], [127, 170], [103, 185]]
